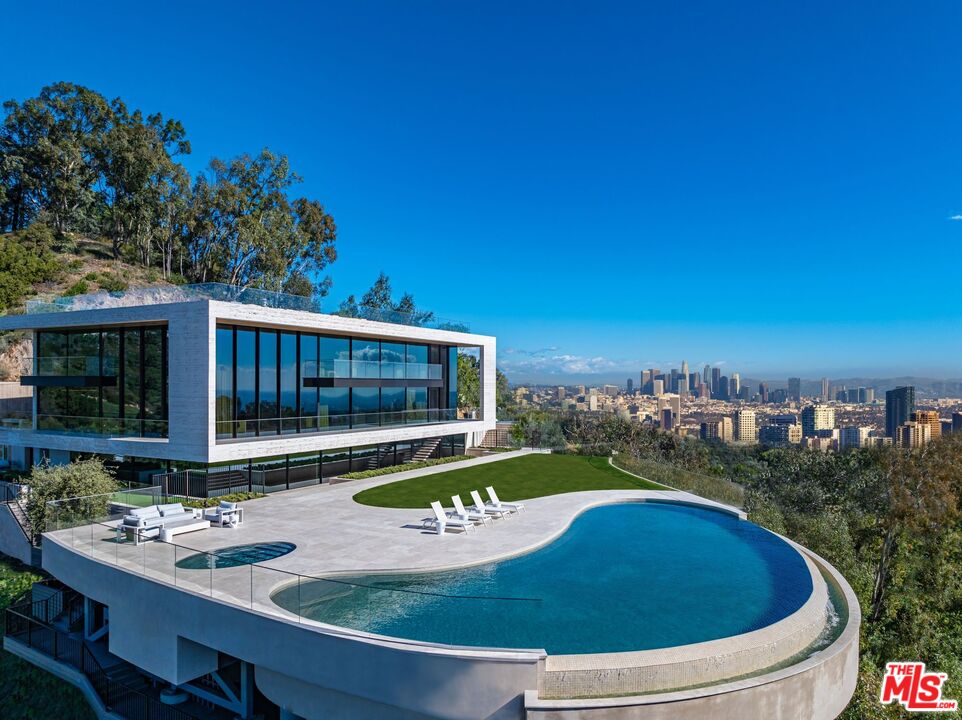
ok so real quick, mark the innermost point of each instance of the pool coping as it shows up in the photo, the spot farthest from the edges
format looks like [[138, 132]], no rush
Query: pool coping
[[845, 642]]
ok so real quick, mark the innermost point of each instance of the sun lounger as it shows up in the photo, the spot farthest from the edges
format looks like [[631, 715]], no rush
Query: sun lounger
[[463, 513], [495, 503], [442, 522], [479, 506]]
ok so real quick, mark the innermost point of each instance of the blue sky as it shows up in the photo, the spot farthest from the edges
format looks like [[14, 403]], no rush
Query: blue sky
[[604, 186]]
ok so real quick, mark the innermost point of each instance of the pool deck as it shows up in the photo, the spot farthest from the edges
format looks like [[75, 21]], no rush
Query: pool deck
[[335, 534]]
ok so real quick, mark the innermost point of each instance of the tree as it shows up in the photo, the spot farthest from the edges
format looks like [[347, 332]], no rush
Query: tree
[[246, 231], [87, 483], [49, 147], [378, 304]]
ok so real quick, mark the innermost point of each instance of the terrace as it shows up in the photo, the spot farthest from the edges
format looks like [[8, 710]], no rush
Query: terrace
[[311, 545]]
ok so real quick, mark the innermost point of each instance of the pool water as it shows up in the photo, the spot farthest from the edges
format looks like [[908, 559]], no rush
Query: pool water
[[235, 556], [631, 576]]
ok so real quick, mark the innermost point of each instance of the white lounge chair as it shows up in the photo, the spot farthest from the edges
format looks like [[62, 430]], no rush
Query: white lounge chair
[[495, 503], [479, 506], [441, 521], [463, 513]]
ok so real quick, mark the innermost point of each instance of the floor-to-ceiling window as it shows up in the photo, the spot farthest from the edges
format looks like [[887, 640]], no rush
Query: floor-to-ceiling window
[[271, 382], [246, 383], [118, 381]]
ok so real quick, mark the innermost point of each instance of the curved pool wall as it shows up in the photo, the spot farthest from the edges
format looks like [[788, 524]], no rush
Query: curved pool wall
[[623, 577], [317, 670]]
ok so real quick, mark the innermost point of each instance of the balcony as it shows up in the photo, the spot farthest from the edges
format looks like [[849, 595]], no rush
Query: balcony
[[271, 427], [360, 373]]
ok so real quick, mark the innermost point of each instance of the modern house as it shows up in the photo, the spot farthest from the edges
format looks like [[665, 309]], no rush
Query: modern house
[[227, 389]]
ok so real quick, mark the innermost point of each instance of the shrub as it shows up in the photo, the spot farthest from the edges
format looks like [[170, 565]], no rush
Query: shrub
[[91, 276], [213, 501], [78, 288], [111, 283], [24, 260], [87, 481], [75, 265], [362, 474]]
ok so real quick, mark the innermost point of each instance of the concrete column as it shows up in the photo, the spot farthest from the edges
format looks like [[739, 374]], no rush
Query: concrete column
[[191, 378], [488, 394]]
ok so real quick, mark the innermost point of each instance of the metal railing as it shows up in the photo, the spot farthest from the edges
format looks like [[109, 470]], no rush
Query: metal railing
[[30, 623], [12, 496], [266, 427]]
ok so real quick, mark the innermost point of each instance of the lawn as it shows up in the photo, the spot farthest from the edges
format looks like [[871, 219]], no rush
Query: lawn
[[26, 692], [520, 478]]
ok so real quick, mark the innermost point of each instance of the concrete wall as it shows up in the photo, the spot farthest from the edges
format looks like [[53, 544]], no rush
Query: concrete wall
[[192, 378]]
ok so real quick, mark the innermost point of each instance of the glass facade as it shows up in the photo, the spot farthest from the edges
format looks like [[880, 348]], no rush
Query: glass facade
[[103, 382], [272, 382]]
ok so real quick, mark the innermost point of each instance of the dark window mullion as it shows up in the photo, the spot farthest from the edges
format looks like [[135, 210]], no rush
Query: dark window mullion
[[234, 401], [297, 384], [143, 379], [277, 381], [257, 381]]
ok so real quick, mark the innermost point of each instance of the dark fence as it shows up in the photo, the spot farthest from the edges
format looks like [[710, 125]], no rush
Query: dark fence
[[22, 624]]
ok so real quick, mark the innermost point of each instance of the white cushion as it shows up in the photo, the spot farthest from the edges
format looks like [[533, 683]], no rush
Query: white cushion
[[133, 521], [171, 509], [147, 512], [224, 505]]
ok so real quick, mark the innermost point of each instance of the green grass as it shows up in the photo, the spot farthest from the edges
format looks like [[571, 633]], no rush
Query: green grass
[[520, 478], [26, 692]]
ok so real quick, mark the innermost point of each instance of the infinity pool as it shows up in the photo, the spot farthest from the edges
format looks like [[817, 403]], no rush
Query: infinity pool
[[631, 576]]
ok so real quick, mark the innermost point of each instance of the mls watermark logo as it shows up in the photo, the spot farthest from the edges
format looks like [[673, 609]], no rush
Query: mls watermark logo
[[915, 689]]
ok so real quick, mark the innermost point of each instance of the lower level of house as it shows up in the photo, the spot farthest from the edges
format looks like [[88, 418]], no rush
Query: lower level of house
[[255, 474]]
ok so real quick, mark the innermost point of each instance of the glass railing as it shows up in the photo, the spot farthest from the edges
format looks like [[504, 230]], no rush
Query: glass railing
[[158, 295], [101, 426], [371, 369], [71, 365], [16, 420], [261, 427], [93, 526]]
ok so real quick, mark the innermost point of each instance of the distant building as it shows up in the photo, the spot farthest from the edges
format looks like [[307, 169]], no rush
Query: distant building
[[912, 434], [870, 395], [780, 435], [735, 386], [721, 392], [932, 419], [778, 396], [744, 426], [822, 444], [716, 383], [816, 419], [957, 422], [721, 430], [630, 385], [899, 406], [763, 392], [667, 420], [824, 396], [658, 387], [610, 390], [853, 436], [795, 389]]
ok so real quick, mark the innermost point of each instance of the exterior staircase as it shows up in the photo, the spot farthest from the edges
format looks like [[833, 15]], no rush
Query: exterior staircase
[[426, 450]]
